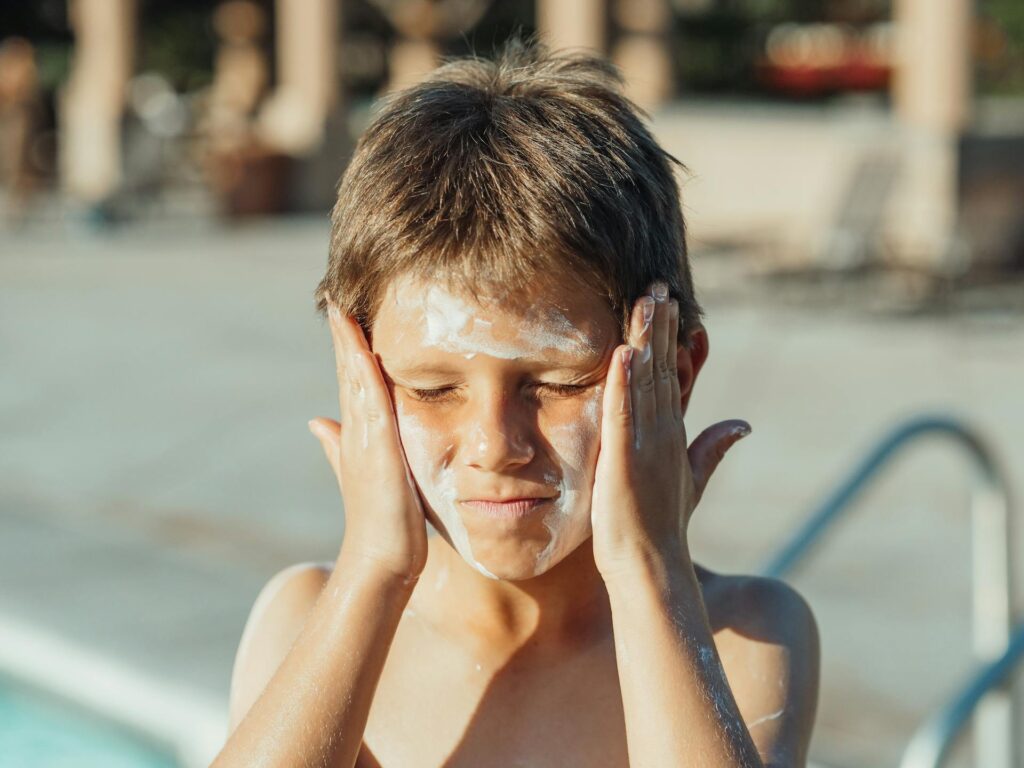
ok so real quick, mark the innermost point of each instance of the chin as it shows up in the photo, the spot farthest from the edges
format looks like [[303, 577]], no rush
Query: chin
[[514, 551], [520, 560], [509, 569]]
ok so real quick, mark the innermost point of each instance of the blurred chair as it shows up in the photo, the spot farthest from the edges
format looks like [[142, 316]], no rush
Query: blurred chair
[[853, 240]]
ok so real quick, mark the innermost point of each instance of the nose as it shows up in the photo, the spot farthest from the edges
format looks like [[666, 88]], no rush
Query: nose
[[495, 438]]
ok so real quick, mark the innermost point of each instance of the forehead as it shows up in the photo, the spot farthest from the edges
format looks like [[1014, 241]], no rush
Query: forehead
[[544, 322]]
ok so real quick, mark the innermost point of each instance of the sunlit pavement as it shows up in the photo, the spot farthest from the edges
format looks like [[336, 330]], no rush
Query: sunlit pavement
[[156, 469]]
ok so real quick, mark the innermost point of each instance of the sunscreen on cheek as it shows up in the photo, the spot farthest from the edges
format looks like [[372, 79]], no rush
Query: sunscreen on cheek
[[575, 444], [427, 453], [446, 323]]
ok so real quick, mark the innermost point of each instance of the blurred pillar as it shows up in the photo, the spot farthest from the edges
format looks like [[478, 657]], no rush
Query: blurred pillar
[[423, 26], [643, 51], [932, 100], [932, 85], [416, 52], [572, 23], [410, 60], [93, 101], [294, 116]]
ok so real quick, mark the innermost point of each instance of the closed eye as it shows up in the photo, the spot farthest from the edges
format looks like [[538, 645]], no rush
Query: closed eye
[[440, 394], [432, 395], [562, 390]]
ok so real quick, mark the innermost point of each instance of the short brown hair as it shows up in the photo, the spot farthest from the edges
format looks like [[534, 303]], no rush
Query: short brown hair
[[503, 172]]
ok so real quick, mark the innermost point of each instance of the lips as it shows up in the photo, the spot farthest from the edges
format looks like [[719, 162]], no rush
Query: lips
[[506, 509]]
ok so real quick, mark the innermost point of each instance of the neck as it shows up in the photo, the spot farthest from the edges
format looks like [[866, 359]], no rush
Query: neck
[[567, 604]]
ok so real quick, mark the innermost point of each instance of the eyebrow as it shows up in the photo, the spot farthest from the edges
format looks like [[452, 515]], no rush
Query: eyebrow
[[440, 368], [422, 369]]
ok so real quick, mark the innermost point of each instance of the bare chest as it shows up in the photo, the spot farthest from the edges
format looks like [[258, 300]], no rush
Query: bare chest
[[436, 706]]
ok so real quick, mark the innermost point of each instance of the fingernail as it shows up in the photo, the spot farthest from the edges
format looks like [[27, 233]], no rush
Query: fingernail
[[741, 431], [645, 353], [314, 427], [660, 291]]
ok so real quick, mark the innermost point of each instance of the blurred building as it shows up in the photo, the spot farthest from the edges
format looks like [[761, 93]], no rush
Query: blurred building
[[835, 133]]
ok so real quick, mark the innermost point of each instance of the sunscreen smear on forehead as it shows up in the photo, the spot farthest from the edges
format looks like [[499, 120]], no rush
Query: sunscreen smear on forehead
[[453, 325]]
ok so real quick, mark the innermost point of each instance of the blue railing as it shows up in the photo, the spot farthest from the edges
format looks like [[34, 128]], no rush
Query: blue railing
[[996, 647]]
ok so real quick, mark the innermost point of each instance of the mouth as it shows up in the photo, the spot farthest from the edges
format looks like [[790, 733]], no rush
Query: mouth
[[507, 509]]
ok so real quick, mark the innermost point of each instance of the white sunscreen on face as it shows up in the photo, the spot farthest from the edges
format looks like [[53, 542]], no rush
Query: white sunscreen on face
[[452, 325], [569, 521], [436, 480]]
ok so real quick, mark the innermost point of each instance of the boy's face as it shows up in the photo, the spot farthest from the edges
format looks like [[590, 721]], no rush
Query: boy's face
[[499, 400]]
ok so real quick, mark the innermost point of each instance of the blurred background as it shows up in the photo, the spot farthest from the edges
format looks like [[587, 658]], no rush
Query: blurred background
[[854, 195]]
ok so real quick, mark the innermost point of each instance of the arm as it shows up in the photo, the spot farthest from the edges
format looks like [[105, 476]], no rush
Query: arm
[[314, 709], [678, 704], [274, 623], [772, 655], [767, 704], [670, 673]]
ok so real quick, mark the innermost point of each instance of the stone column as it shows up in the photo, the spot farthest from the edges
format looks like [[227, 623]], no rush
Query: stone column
[[423, 26], [294, 116], [932, 102], [932, 86], [643, 51], [572, 24], [417, 50], [92, 103]]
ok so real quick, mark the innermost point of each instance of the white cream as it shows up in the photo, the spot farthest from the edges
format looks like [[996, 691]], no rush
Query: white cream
[[451, 325], [766, 718], [713, 670], [366, 424], [569, 522], [436, 481]]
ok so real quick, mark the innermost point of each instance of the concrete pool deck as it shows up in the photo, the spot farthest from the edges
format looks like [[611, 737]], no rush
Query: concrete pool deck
[[156, 470]]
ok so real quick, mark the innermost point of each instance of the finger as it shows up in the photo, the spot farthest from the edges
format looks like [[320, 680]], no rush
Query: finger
[[617, 428], [660, 344], [708, 448], [346, 383], [353, 343], [642, 368], [328, 432], [672, 361], [377, 417]]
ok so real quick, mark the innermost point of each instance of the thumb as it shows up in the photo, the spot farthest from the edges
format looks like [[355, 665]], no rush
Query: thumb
[[708, 448], [328, 432]]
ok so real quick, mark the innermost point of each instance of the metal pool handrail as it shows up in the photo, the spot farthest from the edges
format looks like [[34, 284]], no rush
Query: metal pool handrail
[[992, 534], [933, 742]]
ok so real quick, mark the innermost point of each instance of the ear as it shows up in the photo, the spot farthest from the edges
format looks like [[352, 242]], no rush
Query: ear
[[689, 361]]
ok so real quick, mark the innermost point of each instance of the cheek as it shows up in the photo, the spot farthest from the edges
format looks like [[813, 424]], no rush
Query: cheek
[[576, 441], [426, 445]]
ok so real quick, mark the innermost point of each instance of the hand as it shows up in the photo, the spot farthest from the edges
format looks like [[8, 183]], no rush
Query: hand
[[647, 483], [384, 520]]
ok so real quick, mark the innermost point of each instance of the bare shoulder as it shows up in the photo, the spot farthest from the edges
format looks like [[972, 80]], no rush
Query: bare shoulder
[[275, 620], [768, 640], [741, 602]]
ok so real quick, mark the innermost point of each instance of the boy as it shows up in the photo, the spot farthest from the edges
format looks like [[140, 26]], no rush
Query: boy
[[517, 340]]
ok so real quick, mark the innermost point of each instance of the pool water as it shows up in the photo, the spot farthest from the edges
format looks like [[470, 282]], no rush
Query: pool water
[[39, 732]]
